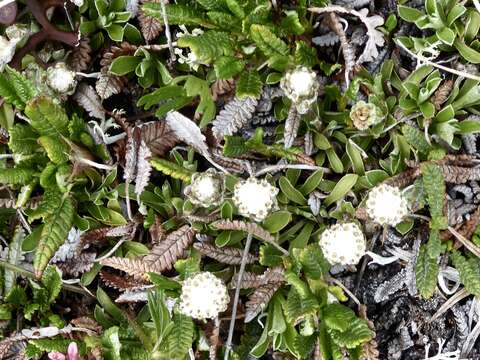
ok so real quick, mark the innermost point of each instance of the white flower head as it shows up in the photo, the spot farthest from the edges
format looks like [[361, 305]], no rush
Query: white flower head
[[255, 198], [61, 79], [190, 59], [301, 87], [386, 205], [7, 51], [203, 296], [206, 189], [78, 3], [343, 244]]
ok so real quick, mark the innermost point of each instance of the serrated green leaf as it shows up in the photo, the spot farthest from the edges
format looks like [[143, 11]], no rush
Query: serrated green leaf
[[434, 245], [16, 176], [57, 150], [23, 139], [426, 272], [208, 46], [268, 42], [227, 67], [52, 281], [54, 232], [181, 337], [47, 117], [416, 138], [172, 169], [176, 14], [357, 334], [296, 309], [313, 262], [249, 84], [469, 271], [434, 186]]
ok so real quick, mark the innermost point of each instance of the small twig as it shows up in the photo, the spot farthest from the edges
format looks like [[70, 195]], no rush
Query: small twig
[[459, 295], [161, 47], [348, 54], [444, 68], [277, 168], [167, 31], [231, 329], [465, 242], [348, 292], [113, 249]]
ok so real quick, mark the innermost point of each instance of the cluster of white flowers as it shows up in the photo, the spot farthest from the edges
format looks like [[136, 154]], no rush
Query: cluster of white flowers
[[206, 189], [203, 296], [191, 59], [343, 244], [301, 87], [386, 205], [255, 198], [61, 79]]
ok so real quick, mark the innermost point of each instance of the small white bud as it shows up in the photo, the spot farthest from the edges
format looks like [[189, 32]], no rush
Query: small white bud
[[301, 86], [61, 79], [206, 189]]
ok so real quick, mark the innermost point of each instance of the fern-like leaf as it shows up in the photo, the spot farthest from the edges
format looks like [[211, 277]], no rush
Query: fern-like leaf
[[47, 117], [176, 14], [298, 308], [434, 185], [426, 272], [236, 114], [57, 150], [16, 176], [416, 138], [163, 256], [208, 46], [88, 99], [132, 266], [15, 88], [172, 169], [251, 280], [268, 42], [54, 232]]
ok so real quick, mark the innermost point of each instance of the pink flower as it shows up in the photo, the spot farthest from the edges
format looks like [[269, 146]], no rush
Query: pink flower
[[72, 353]]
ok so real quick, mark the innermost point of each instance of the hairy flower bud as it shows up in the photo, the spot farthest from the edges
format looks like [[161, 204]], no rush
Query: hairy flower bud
[[61, 79], [206, 189], [203, 296], [365, 115], [343, 244], [301, 87]]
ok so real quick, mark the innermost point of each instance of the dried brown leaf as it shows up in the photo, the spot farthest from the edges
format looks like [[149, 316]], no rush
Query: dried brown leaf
[[259, 300], [109, 84], [80, 57], [225, 255], [441, 95], [370, 349], [87, 323], [122, 282], [88, 99], [460, 175], [77, 265], [291, 127], [223, 89], [115, 51], [135, 267], [151, 27], [144, 168], [13, 348], [166, 253], [347, 50], [251, 280], [157, 231]]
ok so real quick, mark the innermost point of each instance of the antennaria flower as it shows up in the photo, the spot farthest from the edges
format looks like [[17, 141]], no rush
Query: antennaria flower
[[343, 244], [386, 205], [203, 296], [255, 198]]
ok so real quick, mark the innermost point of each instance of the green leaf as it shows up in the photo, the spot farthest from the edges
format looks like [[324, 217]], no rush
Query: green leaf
[[338, 317], [416, 138], [469, 272], [342, 187], [290, 192], [234, 146], [357, 334], [57, 150], [292, 23], [467, 52], [115, 32], [426, 272], [446, 35], [18, 90], [226, 67], [268, 42], [172, 169], [52, 281], [176, 14], [469, 127], [249, 84], [409, 14], [434, 186], [209, 46], [312, 182], [235, 8], [16, 176], [108, 305], [297, 308], [111, 344], [47, 117], [305, 54], [434, 245], [123, 65], [313, 262], [355, 157], [277, 221], [54, 232], [181, 337]]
